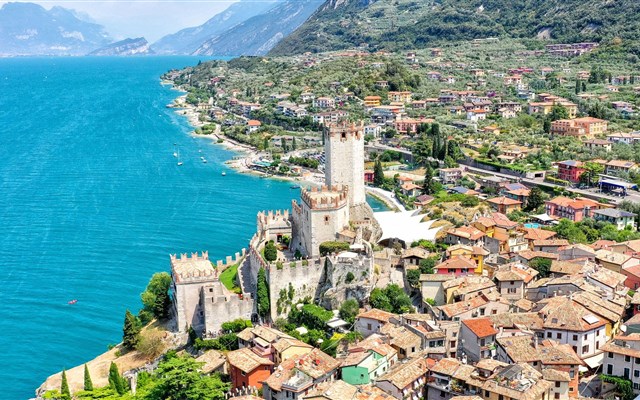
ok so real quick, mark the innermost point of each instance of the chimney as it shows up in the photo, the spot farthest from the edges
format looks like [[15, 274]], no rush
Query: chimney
[[535, 342]]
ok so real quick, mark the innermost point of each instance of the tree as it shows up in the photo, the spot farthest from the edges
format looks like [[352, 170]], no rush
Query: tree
[[88, 384], [293, 144], [567, 229], [429, 185], [350, 277], [156, 297], [270, 251], [378, 174], [427, 265], [378, 299], [558, 112], [130, 331], [348, 310], [179, 377], [413, 277], [546, 125], [591, 172], [584, 86], [535, 200], [262, 293], [116, 382], [64, 387], [578, 86], [151, 344], [542, 265]]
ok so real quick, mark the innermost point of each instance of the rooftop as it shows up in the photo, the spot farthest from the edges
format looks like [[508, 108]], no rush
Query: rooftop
[[481, 327], [246, 360]]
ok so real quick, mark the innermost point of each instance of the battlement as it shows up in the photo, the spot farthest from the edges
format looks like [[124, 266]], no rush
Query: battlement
[[266, 218], [346, 130], [198, 268], [325, 197]]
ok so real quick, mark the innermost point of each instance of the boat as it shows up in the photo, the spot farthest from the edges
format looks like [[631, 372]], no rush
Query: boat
[[224, 174], [179, 163], [204, 160], [74, 301], [294, 187], [175, 154]]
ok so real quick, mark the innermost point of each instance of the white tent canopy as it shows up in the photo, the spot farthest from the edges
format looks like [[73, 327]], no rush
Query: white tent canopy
[[405, 225]]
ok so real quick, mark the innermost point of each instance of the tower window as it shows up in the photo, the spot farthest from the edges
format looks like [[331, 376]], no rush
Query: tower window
[[326, 219], [344, 135]]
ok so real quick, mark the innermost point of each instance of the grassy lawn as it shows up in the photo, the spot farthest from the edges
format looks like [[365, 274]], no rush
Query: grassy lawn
[[228, 277]]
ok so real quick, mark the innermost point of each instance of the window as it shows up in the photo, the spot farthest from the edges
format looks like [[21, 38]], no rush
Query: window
[[482, 342], [627, 358], [482, 311], [637, 360], [452, 343], [626, 373], [585, 349], [500, 397], [556, 395], [610, 354], [558, 335], [441, 393], [494, 312], [636, 374], [598, 333], [557, 384], [486, 393], [413, 349], [585, 337], [548, 334], [609, 369], [244, 373], [511, 290], [575, 338], [571, 389], [368, 327]]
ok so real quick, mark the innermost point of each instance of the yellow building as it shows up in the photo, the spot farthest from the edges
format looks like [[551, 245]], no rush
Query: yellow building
[[372, 101], [477, 254]]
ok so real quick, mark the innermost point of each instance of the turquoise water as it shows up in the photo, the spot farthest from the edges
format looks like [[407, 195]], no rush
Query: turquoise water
[[93, 203]]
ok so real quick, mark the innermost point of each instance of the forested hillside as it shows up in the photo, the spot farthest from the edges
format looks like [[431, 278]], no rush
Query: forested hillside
[[406, 24]]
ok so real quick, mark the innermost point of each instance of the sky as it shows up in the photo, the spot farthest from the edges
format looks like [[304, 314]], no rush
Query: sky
[[149, 18]]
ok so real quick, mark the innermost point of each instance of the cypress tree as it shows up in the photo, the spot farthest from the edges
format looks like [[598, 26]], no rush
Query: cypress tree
[[584, 86], [64, 386], [262, 295], [88, 384], [578, 86], [116, 382], [130, 331], [378, 174]]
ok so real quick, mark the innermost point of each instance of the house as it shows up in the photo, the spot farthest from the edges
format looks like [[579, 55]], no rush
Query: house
[[570, 170], [528, 255], [467, 287], [558, 363], [576, 251], [478, 337], [370, 322], [512, 80], [324, 102], [247, 369], [431, 287], [574, 209], [506, 113], [403, 340], [261, 340], [621, 137], [615, 167], [411, 257], [505, 205], [400, 97], [620, 218], [434, 75], [568, 322], [449, 175], [587, 127], [482, 305], [406, 381], [521, 195], [623, 358], [373, 130], [616, 262], [410, 125], [512, 279], [367, 360], [372, 101], [597, 144], [253, 125], [533, 234], [476, 115], [296, 376], [549, 245], [467, 235], [476, 253], [288, 348], [214, 362], [457, 265], [410, 189]]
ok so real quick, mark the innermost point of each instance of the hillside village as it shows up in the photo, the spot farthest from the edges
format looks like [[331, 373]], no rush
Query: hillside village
[[510, 268], [524, 162]]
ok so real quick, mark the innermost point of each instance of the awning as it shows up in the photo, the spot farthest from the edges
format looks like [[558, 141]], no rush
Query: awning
[[594, 361]]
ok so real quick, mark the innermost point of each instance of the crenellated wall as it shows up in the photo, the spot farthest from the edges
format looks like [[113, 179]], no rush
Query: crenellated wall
[[220, 306], [305, 280]]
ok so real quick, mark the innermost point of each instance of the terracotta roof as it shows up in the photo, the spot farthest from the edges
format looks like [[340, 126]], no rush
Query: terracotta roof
[[254, 122], [446, 366], [530, 255], [612, 257], [376, 343], [466, 232], [457, 262], [451, 310], [314, 364], [563, 313], [333, 390], [212, 360], [520, 192], [481, 327], [286, 343], [555, 375], [524, 304], [246, 360], [378, 315], [401, 337], [504, 201], [551, 242], [599, 244], [369, 392], [527, 321], [436, 277], [566, 267], [548, 352], [405, 374], [538, 234]]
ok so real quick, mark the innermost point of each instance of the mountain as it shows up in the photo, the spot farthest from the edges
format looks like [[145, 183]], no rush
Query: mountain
[[29, 29], [407, 24], [188, 40], [127, 47], [258, 34]]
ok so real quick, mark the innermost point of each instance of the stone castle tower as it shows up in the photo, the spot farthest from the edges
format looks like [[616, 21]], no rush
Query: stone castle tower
[[344, 164]]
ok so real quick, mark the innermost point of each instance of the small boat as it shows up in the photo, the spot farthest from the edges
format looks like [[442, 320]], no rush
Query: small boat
[[74, 301], [179, 163], [294, 187], [175, 154], [204, 160], [224, 174]]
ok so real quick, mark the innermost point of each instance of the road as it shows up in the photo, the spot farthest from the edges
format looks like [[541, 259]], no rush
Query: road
[[633, 196]]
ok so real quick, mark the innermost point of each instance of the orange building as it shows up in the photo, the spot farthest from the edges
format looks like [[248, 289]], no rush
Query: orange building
[[246, 368], [587, 127]]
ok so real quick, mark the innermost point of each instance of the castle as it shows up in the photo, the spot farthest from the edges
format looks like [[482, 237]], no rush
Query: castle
[[337, 211]]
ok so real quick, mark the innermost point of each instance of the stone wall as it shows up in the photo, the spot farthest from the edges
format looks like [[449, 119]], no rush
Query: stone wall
[[304, 276], [221, 306]]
